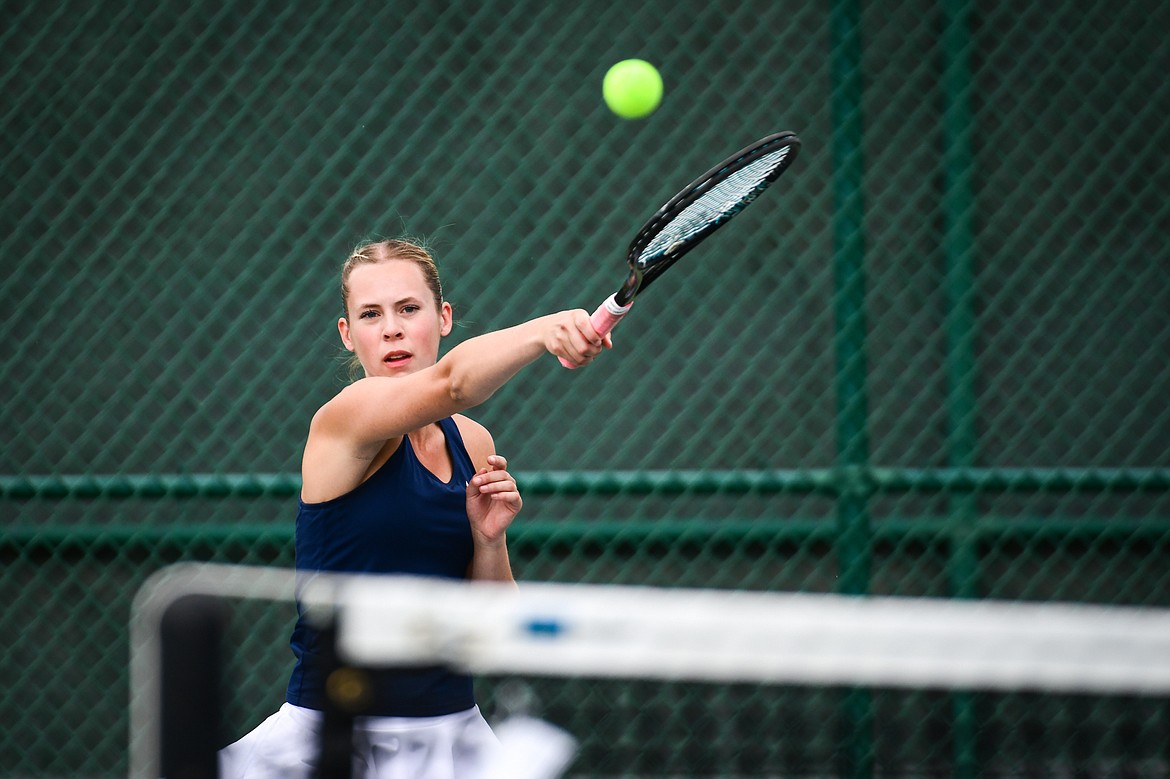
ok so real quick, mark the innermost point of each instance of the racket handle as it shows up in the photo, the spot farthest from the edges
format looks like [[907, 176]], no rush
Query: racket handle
[[605, 319]]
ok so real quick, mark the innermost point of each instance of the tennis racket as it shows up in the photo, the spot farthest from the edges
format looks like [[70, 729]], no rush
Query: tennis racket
[[692, 215]]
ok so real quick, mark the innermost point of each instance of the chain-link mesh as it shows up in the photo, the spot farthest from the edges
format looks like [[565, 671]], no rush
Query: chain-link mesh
[[932, 362]]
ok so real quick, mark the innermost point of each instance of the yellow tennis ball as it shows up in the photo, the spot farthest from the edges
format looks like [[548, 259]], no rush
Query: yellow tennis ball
[[632, 89]]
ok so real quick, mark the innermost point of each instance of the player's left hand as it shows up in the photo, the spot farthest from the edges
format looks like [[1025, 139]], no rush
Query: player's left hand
[[493, 501]]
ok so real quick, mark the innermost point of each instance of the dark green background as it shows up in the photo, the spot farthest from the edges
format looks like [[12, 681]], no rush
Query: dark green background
[[933, 361]]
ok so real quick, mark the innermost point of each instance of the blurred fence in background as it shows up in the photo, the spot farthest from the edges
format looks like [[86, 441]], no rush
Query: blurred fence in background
[[933, 362]]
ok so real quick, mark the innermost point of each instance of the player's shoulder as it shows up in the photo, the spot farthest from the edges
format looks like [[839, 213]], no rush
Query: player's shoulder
[[476, 438]]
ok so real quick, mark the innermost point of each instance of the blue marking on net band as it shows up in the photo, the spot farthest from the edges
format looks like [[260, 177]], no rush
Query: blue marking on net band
[[548, 627]]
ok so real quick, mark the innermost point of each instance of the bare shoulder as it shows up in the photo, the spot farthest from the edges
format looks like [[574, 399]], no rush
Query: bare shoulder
[[335, 461], [476, 439], [338, 413]]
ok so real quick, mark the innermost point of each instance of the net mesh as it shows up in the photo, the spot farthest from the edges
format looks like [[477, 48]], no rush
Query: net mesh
[[946, 377]]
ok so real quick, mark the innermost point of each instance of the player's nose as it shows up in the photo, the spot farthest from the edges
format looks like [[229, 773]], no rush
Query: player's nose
[[391, 329]]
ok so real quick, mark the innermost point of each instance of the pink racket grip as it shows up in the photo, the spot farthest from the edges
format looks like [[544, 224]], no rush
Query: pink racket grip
[[605, 319]]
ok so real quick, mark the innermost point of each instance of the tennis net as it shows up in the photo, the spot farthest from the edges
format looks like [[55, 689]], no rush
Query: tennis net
[[998, 689]]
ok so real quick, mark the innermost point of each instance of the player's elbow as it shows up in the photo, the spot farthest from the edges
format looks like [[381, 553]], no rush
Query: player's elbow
[[463, 392]]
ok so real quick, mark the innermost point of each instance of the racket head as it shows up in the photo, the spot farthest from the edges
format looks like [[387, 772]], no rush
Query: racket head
[[704, 206]]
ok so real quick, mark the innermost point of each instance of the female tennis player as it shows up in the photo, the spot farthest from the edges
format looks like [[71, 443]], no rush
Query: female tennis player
[[396, 480]]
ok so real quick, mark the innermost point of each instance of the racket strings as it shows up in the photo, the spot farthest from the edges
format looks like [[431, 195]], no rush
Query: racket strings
[[716, 205]]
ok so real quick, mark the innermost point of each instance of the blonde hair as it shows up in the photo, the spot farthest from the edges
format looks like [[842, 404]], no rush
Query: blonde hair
[[376, 252]]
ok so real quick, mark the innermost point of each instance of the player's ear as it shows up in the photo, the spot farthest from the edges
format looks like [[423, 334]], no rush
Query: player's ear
[[446, 318], [343, 329]]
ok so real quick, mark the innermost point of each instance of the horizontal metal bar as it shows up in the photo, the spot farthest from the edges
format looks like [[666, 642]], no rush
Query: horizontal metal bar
[[737, 482], [1020, 479], [822, 481], [544, 535], [150, 486], [88, 536]]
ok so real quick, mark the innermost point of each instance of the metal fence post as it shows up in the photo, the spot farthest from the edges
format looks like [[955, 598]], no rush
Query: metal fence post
[[853, 551]]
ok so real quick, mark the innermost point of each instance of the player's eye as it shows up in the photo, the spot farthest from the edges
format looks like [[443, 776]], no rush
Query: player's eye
[[410, 309], [369, 313]]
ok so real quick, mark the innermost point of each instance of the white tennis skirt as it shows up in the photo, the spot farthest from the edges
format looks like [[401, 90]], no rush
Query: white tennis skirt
[[452, 746]]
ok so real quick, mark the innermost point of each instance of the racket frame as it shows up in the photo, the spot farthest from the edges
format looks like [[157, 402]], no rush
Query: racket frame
[[642, 274]]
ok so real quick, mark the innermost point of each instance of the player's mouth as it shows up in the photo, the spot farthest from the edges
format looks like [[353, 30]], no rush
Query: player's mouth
[[396, 359]]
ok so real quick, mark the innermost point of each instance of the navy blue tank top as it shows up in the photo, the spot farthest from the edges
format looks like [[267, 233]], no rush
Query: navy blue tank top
[[403, 519]]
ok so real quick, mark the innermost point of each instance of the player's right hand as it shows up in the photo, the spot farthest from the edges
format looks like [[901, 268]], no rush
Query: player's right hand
[[571, 337]]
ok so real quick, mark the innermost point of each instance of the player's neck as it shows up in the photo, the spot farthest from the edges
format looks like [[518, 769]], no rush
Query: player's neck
[[428, 438]]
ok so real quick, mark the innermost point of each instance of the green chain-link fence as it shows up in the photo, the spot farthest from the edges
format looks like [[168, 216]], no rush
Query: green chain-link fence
[[934, 362]]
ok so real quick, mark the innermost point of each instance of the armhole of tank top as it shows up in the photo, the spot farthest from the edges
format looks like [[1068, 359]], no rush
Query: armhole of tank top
[[380, 470], [457, 447]]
